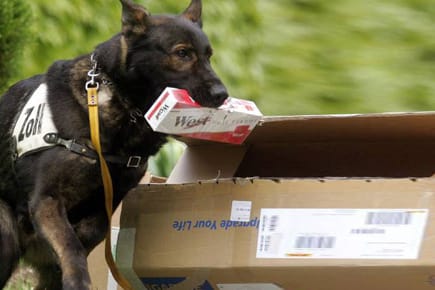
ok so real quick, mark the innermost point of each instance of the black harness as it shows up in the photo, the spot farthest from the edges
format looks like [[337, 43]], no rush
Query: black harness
[[73, 146]]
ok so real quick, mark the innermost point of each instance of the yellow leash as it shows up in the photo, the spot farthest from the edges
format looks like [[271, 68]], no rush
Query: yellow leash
[[107, 182]]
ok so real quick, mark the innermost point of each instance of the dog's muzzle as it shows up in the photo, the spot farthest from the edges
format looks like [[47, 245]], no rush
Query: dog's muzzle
[[218, 94]]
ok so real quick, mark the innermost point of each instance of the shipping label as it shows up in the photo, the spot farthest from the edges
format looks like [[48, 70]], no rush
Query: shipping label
[[241, 210], [341, 233]]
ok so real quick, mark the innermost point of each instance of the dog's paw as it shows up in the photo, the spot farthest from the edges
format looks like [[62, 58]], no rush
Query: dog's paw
[[77, 287], [77, 284]]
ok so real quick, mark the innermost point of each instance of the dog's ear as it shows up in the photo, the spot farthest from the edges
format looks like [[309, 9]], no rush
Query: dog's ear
[[193, 12], [134, 17]]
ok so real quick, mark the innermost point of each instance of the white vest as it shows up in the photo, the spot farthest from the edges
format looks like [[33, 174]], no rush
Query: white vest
[[34, 122]]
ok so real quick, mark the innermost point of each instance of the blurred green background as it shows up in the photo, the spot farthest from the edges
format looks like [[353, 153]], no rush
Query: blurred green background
[[289, 56]]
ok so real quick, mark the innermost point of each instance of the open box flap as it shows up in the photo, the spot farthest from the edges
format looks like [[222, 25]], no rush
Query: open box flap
[[380, 126], [374, 127], [358, 145]]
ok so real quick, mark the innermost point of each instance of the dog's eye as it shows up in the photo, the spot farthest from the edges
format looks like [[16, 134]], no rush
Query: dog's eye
[[182, 53]]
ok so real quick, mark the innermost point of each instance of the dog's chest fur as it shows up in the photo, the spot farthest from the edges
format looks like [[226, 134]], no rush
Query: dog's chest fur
[[123, 129]]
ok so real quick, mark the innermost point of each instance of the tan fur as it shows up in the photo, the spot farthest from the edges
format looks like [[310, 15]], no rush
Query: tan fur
[[124, 51]]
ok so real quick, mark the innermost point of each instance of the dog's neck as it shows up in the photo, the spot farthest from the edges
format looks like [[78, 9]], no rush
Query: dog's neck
[[112, 58], [108, 90], [119, 115]]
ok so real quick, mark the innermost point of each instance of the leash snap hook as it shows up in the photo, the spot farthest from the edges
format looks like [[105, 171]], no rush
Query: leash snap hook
[[92, 73], [92, 84]]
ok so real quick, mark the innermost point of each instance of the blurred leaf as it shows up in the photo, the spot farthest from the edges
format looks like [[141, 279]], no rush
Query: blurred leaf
[[14, 34], [162, 163]]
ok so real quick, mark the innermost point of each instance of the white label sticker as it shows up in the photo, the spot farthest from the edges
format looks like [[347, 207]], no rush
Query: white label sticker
[[249, 286], [341, 233], [241, 210]]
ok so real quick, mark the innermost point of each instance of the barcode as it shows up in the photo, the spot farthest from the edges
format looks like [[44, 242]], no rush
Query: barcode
[[388, 218], [367, 231], [315, 242], [269, 243], [266, 243], [273, 223]]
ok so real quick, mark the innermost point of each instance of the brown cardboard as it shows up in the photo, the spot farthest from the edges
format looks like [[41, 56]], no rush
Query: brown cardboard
[[345, 161], [98, 269], [228, 256]]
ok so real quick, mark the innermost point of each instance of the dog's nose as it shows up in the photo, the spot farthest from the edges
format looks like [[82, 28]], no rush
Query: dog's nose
[[219, 93]]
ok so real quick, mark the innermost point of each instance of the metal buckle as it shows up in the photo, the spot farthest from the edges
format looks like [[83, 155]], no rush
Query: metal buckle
[[134, 161], [67, 143], [53, 138]]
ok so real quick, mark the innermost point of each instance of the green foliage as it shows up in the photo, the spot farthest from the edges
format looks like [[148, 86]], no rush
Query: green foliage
[[22, 279], [290, 56], [66, 29], [19, 285], [14, 19], [162, 163], [349, 56]]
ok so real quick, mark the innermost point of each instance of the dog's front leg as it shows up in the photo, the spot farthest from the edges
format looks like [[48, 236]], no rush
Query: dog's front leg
[[51, 223]]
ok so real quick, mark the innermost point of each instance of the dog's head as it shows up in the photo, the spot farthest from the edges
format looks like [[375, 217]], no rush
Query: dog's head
[[169, 50]]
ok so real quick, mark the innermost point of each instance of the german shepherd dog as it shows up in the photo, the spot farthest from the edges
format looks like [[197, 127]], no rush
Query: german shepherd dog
[[52, 211]]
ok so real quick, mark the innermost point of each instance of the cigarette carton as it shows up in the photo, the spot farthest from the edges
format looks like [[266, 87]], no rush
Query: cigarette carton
[[175, 112]]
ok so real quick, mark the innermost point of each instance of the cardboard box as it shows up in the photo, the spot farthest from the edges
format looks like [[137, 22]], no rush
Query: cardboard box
[[175, 112], [100, 274], [307, 203]]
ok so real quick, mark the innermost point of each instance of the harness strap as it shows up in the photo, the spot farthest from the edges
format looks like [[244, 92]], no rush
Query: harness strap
[[107, 183], [132, 161], [71, 145]]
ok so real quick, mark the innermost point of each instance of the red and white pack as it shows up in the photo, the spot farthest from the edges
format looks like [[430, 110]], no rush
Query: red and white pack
[[175, 112]]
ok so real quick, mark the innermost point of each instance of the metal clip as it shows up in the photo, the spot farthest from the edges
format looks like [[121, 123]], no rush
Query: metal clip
[[92, 73]]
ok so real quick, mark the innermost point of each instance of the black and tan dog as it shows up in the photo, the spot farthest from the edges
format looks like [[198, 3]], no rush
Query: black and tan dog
[[51, 195]]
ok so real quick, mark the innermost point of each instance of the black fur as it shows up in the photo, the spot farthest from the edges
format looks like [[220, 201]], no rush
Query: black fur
[[52, 202]]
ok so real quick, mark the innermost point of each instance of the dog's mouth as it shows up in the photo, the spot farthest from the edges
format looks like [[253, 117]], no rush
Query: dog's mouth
[[213, 98]]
